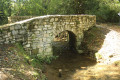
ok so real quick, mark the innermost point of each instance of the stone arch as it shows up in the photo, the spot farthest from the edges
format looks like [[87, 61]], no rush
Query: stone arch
[[64, 41]]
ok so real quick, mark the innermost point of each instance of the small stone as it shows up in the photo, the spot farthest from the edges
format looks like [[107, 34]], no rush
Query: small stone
[[110, 56], [80, 51], [60, 73], [28, 45]]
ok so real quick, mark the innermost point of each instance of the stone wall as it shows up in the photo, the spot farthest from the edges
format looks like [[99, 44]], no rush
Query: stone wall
[[13, 19], [37, 33]]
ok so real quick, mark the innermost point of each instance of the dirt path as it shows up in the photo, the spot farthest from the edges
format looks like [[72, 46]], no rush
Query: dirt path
[[78, 67]]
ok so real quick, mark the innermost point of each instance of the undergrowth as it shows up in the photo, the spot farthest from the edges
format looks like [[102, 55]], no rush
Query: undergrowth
[[34, 60]]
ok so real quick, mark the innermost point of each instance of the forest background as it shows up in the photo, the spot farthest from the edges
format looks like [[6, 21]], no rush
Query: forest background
[[105, 10]]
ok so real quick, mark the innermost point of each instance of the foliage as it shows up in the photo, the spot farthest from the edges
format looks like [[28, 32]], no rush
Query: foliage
[[42, 7], [46, 59], [4, 11], [106, 10], [35, 60]]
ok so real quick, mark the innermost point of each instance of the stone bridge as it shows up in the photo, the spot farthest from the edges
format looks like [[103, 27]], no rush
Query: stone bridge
[[37, 34]]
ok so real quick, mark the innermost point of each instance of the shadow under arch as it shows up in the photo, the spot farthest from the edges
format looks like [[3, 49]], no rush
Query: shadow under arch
[[64, 42]]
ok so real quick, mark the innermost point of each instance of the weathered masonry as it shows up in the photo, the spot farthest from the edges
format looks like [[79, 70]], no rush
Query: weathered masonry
[[37, 33]]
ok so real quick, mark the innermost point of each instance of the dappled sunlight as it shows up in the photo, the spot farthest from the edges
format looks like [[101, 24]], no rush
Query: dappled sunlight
[[110, 48], [34, 73], [3, 76], [70, 66], [97, 72]]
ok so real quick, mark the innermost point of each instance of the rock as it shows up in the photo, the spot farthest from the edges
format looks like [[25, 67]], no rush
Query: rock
[[14, 32], [18, 26], [110, 56], [60, 73], [80, 51], [52, 19], [3, 76]]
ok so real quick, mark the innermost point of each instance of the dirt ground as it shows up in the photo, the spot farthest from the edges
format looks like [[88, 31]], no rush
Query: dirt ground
[[79, 67], [14, 65]]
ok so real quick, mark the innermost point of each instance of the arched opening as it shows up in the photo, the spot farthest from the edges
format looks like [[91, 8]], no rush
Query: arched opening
[[64, 42]]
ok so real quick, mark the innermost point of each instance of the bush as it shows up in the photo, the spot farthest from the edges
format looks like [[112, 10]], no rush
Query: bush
[[105, 10]]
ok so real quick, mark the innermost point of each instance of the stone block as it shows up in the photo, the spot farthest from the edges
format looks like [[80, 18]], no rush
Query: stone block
[[37, 32], [44, 28], [9, 34], [41, 50], [6, 42], [34, 46], [56, 19], [46, 35], [28, 45], [14, 32], [47, 25], [5, 36], [46, 20], [72, 23], [22, 31], [11, 27], [44, 23], [47, 45], [52, 20], [36, 26], [26, 27], [80, 51], [36, 22], [44, 39], [39, 29], [55, 23], [41, 26], [35, 51], [18, 26], [12, 41], [48, 40], [49, 31], [42, 45], [49, 49]]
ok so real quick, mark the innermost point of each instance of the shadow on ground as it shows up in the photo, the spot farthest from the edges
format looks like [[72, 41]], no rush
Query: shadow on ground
[[93, 40], [68, 64]]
